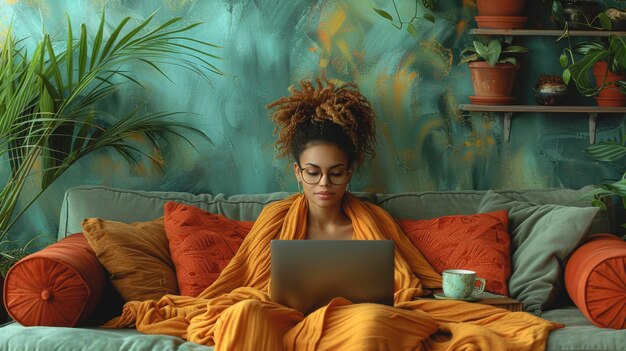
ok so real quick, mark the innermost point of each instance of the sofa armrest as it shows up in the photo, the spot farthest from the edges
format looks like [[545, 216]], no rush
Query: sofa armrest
[[595, 279], [60, 285]]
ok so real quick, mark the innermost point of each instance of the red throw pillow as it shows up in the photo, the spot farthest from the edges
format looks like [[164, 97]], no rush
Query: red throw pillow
[[201, 244], [60, 285], [595, 278], [478, 242]]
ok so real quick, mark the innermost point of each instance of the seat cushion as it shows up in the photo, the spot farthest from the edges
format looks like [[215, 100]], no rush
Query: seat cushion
[[201, 244], [15, 337], [60, 285], [580, 334], [595, 278]]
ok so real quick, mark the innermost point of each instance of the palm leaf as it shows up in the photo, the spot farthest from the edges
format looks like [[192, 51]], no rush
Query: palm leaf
[[606, 151], [52, 118]]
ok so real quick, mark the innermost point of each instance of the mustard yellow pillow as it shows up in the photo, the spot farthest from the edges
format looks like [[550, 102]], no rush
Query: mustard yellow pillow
[[136, 256]]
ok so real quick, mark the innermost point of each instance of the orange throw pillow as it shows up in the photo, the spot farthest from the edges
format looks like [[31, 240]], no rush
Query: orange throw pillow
[[478, 242], [136, 256], [60, 285], [595, 278], [201, 243]]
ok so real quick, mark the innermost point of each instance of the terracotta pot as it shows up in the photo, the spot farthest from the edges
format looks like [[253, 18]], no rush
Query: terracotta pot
[[489, 81], [3, 311], [500, 22], [500, 7], [611, 91]]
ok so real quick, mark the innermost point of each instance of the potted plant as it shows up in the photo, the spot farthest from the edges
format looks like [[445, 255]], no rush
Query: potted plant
[[575, 14], [50, 100], [500, 14], [493, 67], [606, 61]]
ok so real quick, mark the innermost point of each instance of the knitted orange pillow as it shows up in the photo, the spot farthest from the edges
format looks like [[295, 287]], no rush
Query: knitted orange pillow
[[201, 244], [595, 278], [478, 242], [60, 285]]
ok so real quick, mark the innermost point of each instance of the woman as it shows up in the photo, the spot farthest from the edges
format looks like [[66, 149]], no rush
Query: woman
[[328, 130]]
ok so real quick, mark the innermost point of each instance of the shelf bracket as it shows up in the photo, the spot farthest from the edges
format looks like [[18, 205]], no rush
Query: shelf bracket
[[507, 125], [593, 118]]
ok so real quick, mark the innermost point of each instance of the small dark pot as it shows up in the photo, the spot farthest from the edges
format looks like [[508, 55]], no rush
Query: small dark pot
[[580, 14], [550, 94], [618, 25]]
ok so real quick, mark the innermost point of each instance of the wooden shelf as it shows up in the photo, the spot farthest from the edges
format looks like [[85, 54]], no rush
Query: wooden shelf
[[545, 32], [508, 111]]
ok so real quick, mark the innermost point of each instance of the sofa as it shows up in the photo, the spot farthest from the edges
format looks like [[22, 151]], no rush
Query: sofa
[[579, 333]]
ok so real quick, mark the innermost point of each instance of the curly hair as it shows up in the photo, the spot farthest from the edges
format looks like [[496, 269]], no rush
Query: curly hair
[[322, 112]]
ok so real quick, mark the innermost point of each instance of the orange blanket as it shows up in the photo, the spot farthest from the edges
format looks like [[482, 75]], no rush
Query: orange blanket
[[235, 313]]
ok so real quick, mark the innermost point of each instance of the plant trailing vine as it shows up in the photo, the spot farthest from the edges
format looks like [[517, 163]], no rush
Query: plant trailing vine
[[411, 27]]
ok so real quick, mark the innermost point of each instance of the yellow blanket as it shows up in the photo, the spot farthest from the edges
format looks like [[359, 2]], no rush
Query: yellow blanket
[[235, 313]]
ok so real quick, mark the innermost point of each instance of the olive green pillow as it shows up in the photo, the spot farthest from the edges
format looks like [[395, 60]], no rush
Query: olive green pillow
[[542, 239]]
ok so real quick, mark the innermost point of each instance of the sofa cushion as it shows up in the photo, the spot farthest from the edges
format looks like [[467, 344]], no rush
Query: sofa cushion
[[542, 238], [128, 206], [579, 334], [201, 244], [60, 285], [478, 242], [136, 255], [595, 278], [15, 337]]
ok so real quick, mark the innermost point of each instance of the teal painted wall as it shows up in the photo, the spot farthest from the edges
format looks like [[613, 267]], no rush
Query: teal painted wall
[[424, 143]]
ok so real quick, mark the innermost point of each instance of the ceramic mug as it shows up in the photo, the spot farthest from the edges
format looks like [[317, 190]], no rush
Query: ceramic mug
[[461, 283]]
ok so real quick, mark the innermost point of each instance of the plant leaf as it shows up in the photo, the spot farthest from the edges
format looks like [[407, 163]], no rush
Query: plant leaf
[[69, 53], [429, 17], [383, 14], [412, 30], [563, 60], [82, 52], [492, 55], [606, 151], [567, 75], [97, 42], [512, 60], [605, 22], [557, 11]]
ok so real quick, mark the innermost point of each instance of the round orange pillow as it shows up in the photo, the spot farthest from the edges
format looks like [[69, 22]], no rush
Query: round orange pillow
[[60, 285], [595, 278]]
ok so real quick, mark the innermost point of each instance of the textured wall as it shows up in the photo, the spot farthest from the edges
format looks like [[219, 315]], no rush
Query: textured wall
[[424, 143]]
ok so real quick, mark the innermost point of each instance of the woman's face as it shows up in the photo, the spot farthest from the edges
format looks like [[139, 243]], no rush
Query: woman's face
[[329, 164]]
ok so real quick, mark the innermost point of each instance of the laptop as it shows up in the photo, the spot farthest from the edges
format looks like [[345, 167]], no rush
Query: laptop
[[307, 274]]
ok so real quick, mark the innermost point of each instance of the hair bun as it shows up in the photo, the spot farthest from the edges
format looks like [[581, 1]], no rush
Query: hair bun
[[323, 101]]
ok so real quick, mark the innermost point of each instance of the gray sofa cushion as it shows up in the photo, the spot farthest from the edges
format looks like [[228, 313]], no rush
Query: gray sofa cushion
[[581, 334], [136, 205], [15, 337], [542, 239]]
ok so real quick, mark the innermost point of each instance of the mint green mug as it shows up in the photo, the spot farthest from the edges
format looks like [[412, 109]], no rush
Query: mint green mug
[[461, 283]]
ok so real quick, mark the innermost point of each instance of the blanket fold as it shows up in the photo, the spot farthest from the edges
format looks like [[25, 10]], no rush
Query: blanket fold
[[236, 312]]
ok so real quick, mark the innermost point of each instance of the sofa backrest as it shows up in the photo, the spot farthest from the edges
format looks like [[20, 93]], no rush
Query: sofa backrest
[[135, 205]]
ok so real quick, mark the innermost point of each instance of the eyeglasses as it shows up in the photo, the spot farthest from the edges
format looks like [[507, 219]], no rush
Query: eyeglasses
[[336, 176]]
